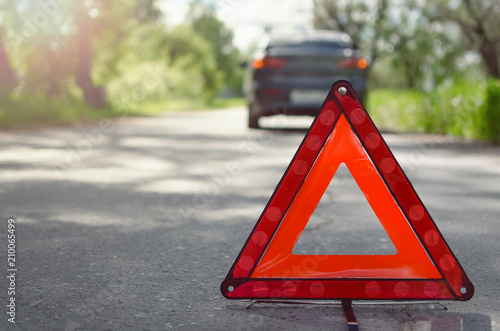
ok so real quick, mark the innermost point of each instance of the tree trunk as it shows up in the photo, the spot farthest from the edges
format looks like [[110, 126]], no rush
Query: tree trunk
[[8, 77], [410, 75], [93, 96], [491, 56], [487, 47]]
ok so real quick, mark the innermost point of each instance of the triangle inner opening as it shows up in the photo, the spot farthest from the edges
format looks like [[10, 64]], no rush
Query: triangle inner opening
[[344, 223]]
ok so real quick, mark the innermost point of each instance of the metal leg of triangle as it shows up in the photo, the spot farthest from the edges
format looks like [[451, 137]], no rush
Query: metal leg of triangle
[[349, 315]]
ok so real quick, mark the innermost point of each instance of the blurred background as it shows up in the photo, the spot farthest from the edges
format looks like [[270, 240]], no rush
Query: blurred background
[[433, 65]]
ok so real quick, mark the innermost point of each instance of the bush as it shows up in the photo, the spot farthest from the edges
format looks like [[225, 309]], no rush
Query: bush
[[490, 111], [453, 108], [185, 72], [460, 107], [395, 108]]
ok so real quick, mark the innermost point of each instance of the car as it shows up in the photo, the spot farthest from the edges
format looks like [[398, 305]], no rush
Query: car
[[291, 72]]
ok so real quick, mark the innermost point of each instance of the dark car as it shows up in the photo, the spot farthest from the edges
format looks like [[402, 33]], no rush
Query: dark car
[[291, 73]]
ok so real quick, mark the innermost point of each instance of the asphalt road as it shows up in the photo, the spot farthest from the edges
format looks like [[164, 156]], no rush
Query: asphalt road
[[132, 224]]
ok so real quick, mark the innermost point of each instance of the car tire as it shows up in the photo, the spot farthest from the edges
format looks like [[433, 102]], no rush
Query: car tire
[[253, 118]]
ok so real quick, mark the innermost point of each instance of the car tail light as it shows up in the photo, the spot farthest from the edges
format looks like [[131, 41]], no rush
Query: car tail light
[[272, 91], [269, 62], [352, 62]]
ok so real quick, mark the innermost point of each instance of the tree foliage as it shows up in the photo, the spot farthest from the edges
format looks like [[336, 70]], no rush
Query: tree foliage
[[189, 52], [479, 23], [425, 50], [98, 51], [202, 18], [55, 44], [425, 39], [8, 78], [363, 21]]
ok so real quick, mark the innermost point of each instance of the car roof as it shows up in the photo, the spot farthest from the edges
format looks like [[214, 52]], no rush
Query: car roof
[[278, 38]]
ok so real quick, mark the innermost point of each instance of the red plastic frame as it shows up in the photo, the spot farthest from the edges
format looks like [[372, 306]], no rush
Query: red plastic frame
[[448, 280]]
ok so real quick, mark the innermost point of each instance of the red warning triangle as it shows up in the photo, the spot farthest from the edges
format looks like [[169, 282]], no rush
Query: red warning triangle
[[424, 268]]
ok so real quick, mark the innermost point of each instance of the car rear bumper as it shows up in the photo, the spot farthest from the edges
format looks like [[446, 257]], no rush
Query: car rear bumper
[[271, 100], [275, 108]]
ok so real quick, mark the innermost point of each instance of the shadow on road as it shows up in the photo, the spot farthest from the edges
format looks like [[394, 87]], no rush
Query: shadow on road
[[136, 228], [426, 317]]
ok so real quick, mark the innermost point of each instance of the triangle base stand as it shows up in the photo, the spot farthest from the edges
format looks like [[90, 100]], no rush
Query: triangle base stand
[[352, 323], [351, 320]]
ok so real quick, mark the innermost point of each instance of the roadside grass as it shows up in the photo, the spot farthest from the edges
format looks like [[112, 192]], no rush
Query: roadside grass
[[152, 108], [394, 109], [39, 111], [461, 107], [227, 103]]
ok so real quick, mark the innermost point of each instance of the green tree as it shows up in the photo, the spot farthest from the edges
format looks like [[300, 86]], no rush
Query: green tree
[[38, 40], [148, 11], [479, 23], [57, 45], [193, 54], [421, 49], [173, 63], [202, 18], [8, 78], [99, 52], [92, 95], [363, 21], [426, 51]]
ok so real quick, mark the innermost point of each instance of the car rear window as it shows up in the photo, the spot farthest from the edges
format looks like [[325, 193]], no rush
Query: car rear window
[[307, 48], [309, 44]]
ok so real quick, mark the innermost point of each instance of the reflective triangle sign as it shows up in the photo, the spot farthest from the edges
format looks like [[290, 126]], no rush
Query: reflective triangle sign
[[423, 268]]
